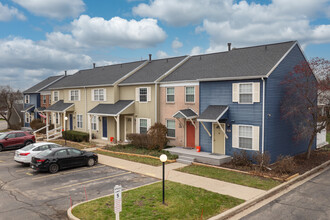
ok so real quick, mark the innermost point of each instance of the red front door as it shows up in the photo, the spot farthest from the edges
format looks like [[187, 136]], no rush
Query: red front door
[[190, 134]]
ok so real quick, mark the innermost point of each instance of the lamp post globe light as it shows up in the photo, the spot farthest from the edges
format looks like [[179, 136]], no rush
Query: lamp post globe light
[[163, 159], [65, 119]]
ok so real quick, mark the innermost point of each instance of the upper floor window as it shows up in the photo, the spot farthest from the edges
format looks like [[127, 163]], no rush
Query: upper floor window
[[56, 96], [170, 94], [98, 95], [74, 95], [50, 99], [26, 99], [44, 99], [190, 94], [143, 94], [245, 93]]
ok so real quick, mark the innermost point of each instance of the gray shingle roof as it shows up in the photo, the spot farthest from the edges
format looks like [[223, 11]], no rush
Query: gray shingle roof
[[153, 70], [185, 113], [42, 85], [28, 108], [111, 109], [241, 62], [105, 75], [59, 106], [213, 113]]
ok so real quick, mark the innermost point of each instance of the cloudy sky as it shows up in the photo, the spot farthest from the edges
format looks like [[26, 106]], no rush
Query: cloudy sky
[[39, 38]]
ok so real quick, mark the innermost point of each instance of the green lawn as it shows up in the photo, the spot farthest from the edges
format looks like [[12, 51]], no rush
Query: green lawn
[[182, 202], [328, 137], [231, 176], [145, 160]]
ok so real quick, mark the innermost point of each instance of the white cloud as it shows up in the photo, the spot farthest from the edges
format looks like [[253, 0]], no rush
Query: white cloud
[[196, 50], [117, 32], [161, 54], [62, 41], [176, 44], [57, 9], [7, 14]]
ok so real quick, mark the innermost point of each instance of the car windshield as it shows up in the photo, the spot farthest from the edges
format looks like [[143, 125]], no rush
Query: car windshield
[[3, 135], [44, 153], [28, 147]]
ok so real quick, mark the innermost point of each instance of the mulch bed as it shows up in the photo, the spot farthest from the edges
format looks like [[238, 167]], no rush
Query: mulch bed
[[302, 165]]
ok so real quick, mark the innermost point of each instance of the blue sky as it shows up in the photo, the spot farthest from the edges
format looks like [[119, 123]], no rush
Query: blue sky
[[40, 38]]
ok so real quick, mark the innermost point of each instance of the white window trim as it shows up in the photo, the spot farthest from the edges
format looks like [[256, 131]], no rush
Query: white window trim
[[44, 99], [138, 124], [78, 94], [239, 93], [173, 94], [140, 95], [96, 126], [185, 95], [255, 137], [27, 117], [77, 116], [104, 95], [28, 99], [58, 96], [174, 129]]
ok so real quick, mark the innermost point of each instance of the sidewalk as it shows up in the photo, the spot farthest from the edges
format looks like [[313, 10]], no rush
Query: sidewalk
[[217, 186]]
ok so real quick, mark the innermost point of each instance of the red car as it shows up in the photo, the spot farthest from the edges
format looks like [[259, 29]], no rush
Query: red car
[[16, 139]]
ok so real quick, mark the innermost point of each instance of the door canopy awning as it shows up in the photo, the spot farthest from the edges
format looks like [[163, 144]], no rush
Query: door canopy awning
[[28, 108], [60, 106], [185, 113], [40, 109], [213, 113], [122, 106]]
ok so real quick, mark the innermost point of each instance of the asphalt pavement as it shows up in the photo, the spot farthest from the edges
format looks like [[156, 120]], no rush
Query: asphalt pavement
[[311, 200], [26, 194]]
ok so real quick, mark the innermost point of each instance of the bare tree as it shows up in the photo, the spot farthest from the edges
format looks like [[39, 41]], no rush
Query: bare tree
[[7, 99], [308, 82]]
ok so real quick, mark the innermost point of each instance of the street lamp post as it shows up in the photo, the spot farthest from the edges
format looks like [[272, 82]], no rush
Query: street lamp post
[[65, 119], [163, 158]]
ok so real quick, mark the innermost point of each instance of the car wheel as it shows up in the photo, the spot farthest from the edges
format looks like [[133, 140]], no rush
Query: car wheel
[[53, 168], [91, 162], [27, 143], [1, 148]]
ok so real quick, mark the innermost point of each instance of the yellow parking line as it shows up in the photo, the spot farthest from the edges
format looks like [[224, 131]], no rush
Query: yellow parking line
[[107, 177], [1, 161], [63, 173], [30, 174]]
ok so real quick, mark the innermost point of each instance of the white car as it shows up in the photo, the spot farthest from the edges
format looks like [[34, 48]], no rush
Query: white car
[[25, 154]]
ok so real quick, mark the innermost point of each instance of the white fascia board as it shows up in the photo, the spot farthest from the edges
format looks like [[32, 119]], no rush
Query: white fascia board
[[222, 113], [179, 84], [131, 73], [231, 78], [134, 84], [278, 63], [125, 107], [206, 120], [28, 108], [81, 87], [102, 114], [173, 69]]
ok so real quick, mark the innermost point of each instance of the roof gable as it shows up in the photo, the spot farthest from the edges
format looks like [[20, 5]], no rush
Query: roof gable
[[43, 84]]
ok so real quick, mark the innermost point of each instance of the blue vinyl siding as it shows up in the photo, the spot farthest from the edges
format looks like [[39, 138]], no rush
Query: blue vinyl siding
[[220, 93], [278, 131], [34, 100]]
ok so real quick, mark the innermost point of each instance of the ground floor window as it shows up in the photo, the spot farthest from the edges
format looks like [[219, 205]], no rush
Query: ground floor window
[[79, 121], [93, 124], [170, 124], [56, 118], [143, 126], [245, 137], [27, 117]]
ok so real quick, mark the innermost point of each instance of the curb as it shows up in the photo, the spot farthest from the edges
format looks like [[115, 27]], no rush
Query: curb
[[72, 217], [231, 212]]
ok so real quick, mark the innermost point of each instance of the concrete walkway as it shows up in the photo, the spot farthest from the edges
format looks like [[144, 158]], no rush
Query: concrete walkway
[[217, 186]]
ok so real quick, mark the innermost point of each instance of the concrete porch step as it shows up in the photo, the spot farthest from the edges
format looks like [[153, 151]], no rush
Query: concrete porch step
[[188, 158], [189, 162]]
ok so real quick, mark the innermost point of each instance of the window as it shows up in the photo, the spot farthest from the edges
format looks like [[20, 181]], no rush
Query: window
[[94, 123], [99, 95], [79, 121], [143, 94], [12, 135], [74, 152], [44, 99], [26, 99], [56, 118], [245, 93], [143, 126], [170, 94], [56, 94], [61, 153], [20, 134], [190, 94], [74, 95], [27, 117], [245, 137], [50, 99], [170, 124]]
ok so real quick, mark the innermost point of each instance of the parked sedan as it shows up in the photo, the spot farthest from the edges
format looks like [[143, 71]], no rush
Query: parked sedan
[[25, 154], [55, 159], [16, 139]]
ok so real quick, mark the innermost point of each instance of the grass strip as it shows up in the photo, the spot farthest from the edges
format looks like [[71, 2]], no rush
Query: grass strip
[[182, 202], [231, 176]]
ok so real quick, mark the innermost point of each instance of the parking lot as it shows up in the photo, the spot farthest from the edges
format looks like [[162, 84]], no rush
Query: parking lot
[[26, 194]]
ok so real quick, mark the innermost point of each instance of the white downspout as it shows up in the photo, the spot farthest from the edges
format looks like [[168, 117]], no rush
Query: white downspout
[[156, 103], [86, 109], [263, 116]]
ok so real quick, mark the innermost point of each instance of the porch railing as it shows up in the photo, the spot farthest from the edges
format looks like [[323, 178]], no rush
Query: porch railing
[[55, 133]]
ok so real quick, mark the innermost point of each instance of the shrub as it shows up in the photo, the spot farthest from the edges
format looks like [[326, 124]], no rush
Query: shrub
[[16, 127], [241, 158], [157, 136], [261, 159], [284, 165], [139, 140], [37, 123], [76, 136]]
